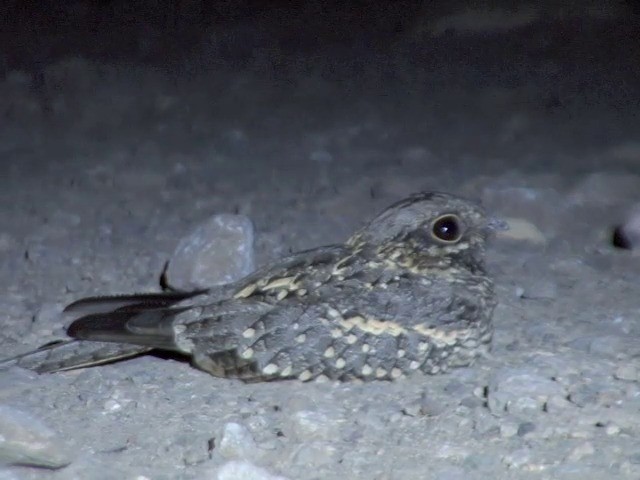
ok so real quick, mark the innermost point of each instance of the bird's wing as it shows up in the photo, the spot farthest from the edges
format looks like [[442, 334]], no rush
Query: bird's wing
[[110, 328], [139, 301], [303, 270]]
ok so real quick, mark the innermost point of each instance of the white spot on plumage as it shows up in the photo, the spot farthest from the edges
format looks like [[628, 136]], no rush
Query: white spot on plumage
[[249, 333], [270, 369]]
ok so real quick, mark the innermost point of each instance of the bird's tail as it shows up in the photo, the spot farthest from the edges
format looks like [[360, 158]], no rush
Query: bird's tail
[[104, 321]]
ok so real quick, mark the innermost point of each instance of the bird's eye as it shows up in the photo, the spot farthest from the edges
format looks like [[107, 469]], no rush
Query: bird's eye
[[447, 228]]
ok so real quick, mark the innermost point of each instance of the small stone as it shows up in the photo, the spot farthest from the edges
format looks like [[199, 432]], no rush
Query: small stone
[[236, 470], [520, 391], [585, 394], [627, 234], [518, 458], [412, 409], [485, 424], [455, 388], [24, 440], [557, 404], [612, 429], [523, 231], [508, 429], [627, 372], [112, 406], [451, 451], [310, 425], [608, 346], [236, 442], [48, 319], [315, 454], [538, 287], [526, 427], [217, 252], [423, 406], [581, 451], [471, 401]]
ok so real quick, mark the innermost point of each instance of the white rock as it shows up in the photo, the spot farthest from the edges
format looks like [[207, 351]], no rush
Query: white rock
[[521, 391], [627, 235], [218, 251], [236, 470], [522, 230], [24, 440], [237, 442], [309, 425]]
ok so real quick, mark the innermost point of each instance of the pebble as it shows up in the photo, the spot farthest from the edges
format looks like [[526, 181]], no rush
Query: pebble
[[608, 346], [485, 424], [612, 429], [315, 454], [313, 425], [628, 372], [452, 451], [586, 394], [518, 458], [557, 404], [526, 427], [537, 288], [216, 252], [520, 391], [236, 442], [523, 231], [508, 429], [240, 470], [48, 319], [25, 440], [627, 234], [583, 450]]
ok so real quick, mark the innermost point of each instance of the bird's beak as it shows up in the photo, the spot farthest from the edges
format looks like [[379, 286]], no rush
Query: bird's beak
[[496, 224]]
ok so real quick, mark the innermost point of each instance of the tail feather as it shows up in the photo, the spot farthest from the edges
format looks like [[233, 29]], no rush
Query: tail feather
[[117, 327]]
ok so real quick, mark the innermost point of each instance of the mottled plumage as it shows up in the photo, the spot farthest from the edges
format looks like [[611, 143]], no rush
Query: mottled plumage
[[408, 292]]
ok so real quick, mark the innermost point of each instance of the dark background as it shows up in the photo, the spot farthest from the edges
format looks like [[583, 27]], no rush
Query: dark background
[[437, 68]]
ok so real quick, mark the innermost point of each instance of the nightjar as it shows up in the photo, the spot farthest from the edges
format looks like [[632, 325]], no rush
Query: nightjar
[[407, 292]]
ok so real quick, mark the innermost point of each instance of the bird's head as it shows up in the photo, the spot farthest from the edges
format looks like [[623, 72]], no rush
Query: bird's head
[[427, 230]]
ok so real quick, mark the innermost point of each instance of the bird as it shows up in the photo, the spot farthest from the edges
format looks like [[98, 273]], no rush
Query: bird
[[407, 292]]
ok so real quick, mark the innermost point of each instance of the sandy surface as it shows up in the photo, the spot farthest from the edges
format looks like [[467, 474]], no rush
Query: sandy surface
[[107, 164]]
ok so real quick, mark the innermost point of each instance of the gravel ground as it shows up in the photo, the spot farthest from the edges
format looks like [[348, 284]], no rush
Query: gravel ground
[[108, 164]]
